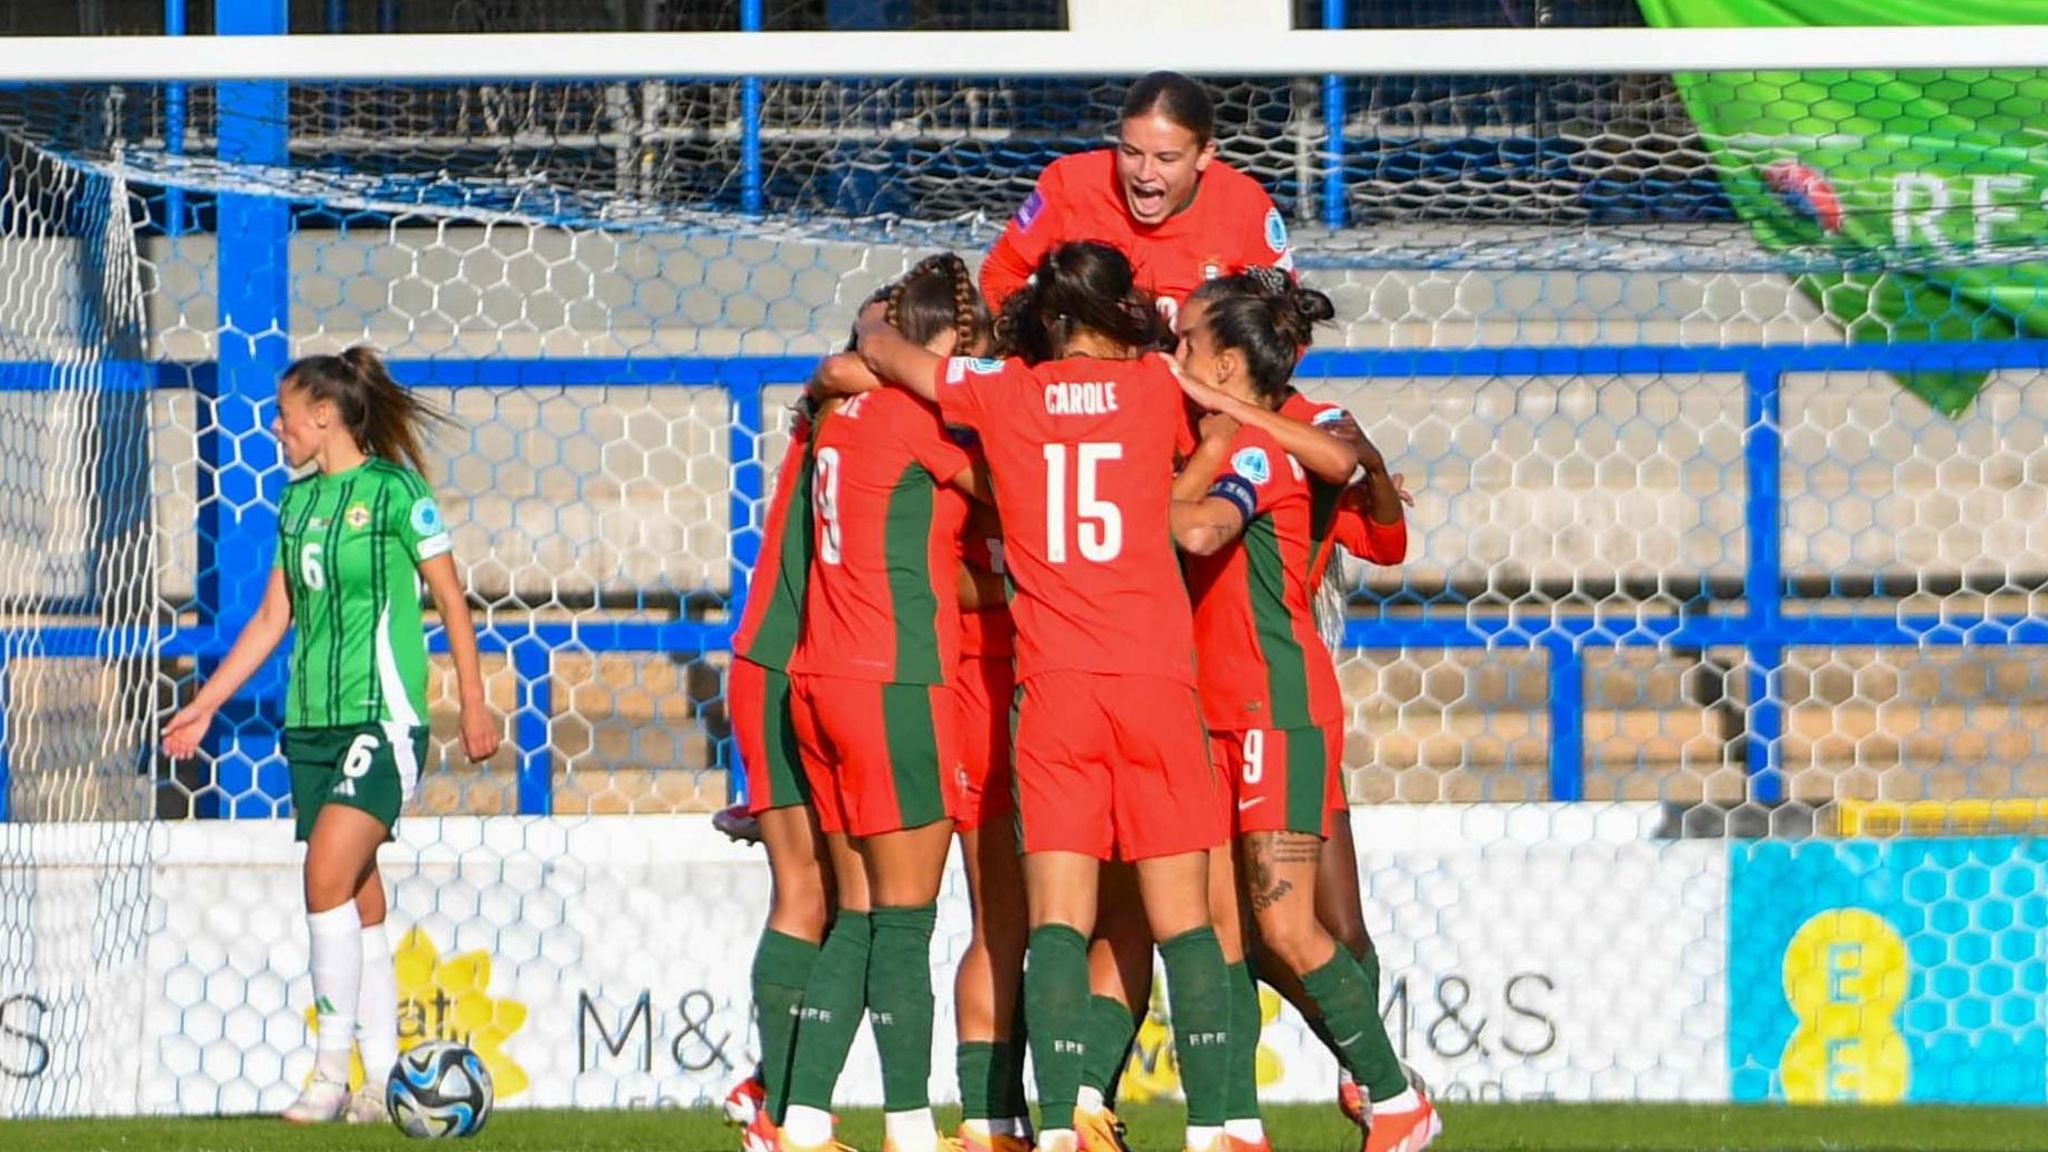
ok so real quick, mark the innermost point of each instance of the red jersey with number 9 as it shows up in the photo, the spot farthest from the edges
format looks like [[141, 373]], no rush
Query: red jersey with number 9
[[884, 596], [1081, 453]]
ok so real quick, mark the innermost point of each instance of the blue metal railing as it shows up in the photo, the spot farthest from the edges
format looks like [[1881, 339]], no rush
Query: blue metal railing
[[1757, 623]]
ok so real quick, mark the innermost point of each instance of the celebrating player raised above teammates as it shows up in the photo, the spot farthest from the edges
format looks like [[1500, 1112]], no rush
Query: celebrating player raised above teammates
[[355, 536], [1109, 756], [875, 719], [1160, 195], [1269, 687]]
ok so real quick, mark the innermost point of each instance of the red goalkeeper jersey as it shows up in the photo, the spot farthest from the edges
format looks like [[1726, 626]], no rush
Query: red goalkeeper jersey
[[1231, 225]]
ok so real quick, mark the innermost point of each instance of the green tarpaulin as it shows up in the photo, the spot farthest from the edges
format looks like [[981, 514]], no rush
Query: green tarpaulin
[[1913, 204]]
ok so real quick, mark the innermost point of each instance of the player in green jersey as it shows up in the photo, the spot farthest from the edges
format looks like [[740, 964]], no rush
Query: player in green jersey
[[356, 533]]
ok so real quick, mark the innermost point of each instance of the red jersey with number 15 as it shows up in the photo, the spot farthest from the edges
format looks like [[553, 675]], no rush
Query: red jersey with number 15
[[884, 598], [1262, 661], [1080, 453]]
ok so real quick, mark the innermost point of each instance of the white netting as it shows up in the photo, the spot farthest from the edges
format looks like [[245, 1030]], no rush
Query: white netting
[[566, 268]]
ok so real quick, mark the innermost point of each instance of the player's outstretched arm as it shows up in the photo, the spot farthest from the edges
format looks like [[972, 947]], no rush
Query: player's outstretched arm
[[894, 358], [479, 728], [260, 637], [1326, 457], [842, 374]]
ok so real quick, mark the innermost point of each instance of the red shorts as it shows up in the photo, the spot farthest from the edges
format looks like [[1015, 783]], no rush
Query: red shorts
[[984, 688], [757, 700], [1115, 766], [879, 757], [1283, 779]]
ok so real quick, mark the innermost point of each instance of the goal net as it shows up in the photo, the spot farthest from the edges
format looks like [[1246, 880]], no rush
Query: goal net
[[1719, 393]]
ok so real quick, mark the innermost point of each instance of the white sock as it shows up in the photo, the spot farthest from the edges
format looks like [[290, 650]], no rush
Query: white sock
[[1344, 1076], [1407, 1101], [1200, 1138], [377, 1008], [1058, 1137], [1251, 1130], [912, 1131], [809, 1127], [337, 948], [1089, 1100]]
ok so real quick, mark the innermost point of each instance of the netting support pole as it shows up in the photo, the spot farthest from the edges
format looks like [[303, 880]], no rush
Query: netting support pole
[[241, 475], [751, 198], [1567, 718], [747, 502], [532, 663], [1763, 582], [1335, 210], [6, 769], [174, 124]]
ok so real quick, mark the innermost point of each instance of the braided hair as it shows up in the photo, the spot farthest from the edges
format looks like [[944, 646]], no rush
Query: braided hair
[[938, 295]]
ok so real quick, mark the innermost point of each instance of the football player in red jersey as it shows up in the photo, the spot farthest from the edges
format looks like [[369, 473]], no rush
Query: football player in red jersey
[[874, 719], [1160, 195], [1080, 433], [1269, 686], [757, 699], [994, 1115]]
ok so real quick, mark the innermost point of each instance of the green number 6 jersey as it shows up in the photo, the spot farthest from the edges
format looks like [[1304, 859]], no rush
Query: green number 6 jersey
[[350, 545]]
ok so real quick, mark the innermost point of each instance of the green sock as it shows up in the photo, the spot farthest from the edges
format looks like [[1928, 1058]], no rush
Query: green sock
[[782, 966], [1111, 1027], [1198, 990], [975, 1060], [900, 1003], [1350, 1000], [1006, 1075], [832, 1010], [1056, 1008], [1241, 1098], [1320, 1028]]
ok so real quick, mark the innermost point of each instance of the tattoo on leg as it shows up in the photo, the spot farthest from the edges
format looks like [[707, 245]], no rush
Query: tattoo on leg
[[1264, 888]]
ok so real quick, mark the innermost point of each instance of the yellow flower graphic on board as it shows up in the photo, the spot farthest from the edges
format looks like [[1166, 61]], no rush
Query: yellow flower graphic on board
[[1153, 1072], [450, 999]]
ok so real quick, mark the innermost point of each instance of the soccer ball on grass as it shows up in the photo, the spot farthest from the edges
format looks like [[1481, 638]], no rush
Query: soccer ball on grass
[[438, 1089]]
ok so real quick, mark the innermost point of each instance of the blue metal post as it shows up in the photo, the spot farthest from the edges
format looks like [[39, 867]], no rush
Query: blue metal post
[[1567, 718], [1764, 582], [1336, 211], [751, 199], [174, 124], [239, 462], [745, 505], [532, 663]]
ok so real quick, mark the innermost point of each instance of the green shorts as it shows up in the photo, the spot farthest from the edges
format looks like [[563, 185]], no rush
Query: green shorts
[[371, 767]]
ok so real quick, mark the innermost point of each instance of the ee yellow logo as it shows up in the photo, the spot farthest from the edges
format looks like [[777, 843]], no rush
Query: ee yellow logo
[[1846, 977]]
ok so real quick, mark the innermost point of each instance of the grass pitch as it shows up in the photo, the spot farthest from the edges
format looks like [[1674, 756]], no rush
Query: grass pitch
[[1532, 1127]]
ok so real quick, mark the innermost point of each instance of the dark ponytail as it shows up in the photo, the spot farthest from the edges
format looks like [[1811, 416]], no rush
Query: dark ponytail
[[1263, 314], [386, 420], [1080, 286]]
